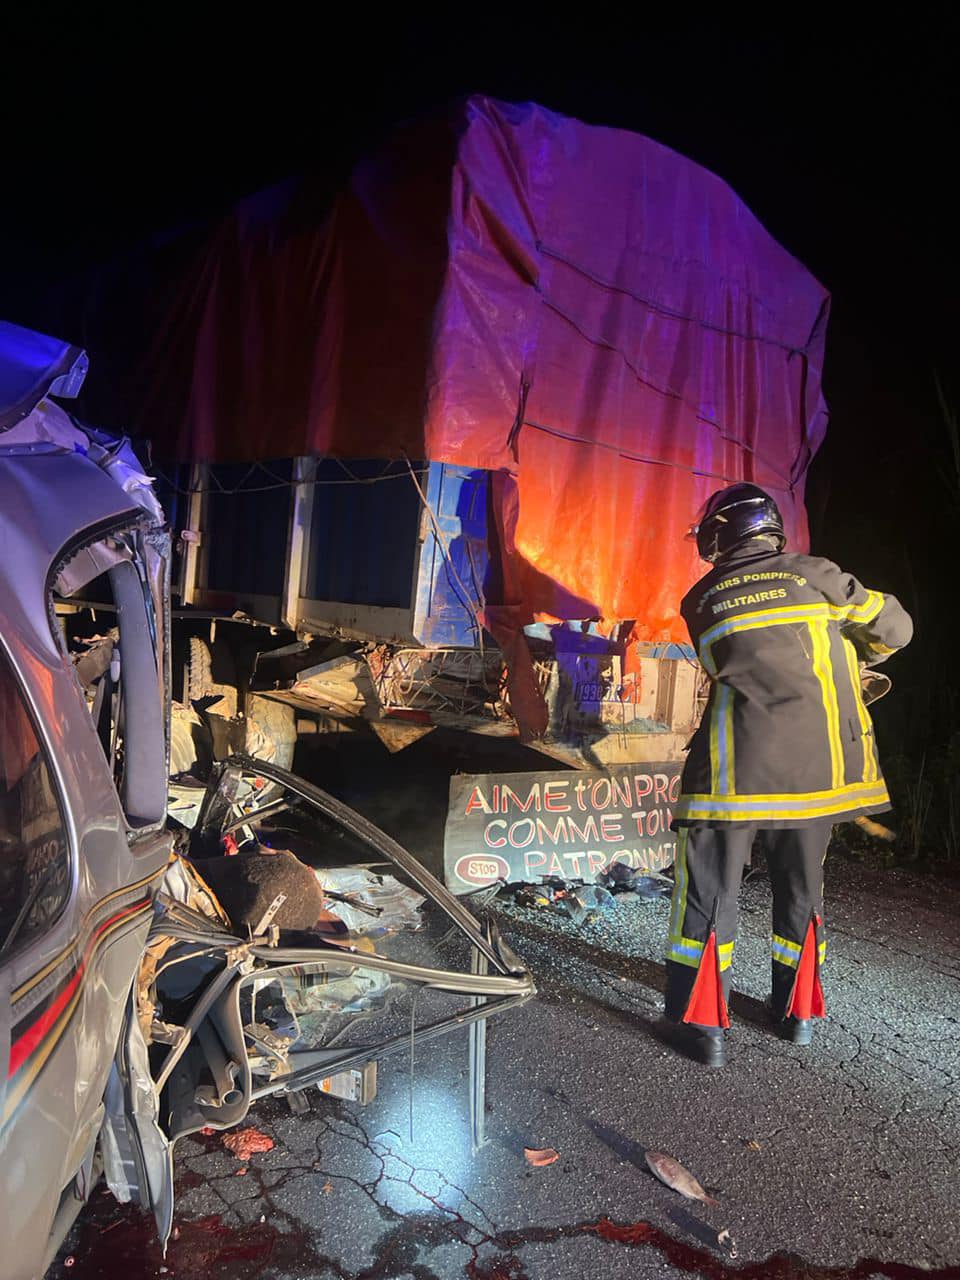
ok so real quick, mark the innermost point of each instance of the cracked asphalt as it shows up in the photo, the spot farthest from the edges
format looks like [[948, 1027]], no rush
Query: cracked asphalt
[[838, 1160]]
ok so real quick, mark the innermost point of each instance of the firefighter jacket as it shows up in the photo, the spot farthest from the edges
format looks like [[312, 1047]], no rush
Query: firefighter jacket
[[785, 738]]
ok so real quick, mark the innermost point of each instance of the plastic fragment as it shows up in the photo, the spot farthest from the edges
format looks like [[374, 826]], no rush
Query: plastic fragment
[[726, 1240], [540, 1156]]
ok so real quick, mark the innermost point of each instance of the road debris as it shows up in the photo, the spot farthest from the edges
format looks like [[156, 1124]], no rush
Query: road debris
[[372, 905], [635, 883], [751, 1144], [579, 902], [726, 1241], [247, 1142], [575, 909], [672, 1173], [540, 1156]]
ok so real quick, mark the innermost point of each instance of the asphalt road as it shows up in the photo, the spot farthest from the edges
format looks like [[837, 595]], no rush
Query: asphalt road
[[823, 1159]]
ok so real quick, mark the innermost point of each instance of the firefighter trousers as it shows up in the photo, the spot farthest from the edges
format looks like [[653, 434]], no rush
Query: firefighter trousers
[[709, 867]]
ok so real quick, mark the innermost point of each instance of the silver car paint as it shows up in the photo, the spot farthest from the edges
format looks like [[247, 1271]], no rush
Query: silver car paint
[[84, 1096], [48, 502]]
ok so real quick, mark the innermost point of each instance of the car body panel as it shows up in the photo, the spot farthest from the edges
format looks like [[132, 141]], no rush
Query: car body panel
[[96, 1072], [63, 992]]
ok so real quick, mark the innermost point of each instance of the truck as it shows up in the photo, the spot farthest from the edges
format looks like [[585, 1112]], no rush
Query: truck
[[429, 447]]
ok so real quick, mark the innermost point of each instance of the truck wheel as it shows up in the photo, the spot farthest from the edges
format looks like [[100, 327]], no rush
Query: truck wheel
[[216, 696], [271, 731]]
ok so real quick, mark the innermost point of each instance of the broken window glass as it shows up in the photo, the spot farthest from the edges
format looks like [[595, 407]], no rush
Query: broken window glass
[[331, 1011], [296, 943], [34, 854]]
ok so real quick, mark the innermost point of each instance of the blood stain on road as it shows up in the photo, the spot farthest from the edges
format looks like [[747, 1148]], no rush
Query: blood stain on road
[[120, 1243]]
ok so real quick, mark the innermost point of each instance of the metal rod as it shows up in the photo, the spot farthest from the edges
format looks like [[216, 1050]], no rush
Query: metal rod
[[299, 531], [478, 1059], [190, 554], [335, 1063], [200, 1011]]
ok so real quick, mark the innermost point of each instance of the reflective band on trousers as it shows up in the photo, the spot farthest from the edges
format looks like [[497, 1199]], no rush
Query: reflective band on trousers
[[678, 903], [688, 951], [788, 952]]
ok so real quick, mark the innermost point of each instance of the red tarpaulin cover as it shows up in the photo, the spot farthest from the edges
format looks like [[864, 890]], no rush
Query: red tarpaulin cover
[[507, 289]]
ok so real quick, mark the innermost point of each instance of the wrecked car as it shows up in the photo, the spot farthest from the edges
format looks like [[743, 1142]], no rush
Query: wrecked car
[[163, 966]]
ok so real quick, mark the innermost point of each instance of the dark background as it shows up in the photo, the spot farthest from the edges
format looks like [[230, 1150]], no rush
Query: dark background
[[841, 138]]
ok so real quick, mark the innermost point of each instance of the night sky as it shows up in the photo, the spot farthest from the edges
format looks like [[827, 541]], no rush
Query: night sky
[[841, 139]]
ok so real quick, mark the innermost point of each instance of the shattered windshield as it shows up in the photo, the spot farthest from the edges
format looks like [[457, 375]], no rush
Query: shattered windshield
[[296, 940]]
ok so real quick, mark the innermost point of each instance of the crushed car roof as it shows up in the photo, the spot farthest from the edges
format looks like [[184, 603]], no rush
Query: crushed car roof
[[32, 366]]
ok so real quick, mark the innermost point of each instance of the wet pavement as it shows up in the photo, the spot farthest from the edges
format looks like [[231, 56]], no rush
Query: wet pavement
[[834, 1161]]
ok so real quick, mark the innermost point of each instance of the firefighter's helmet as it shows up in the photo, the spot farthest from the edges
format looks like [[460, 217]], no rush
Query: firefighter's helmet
[[733, 516]]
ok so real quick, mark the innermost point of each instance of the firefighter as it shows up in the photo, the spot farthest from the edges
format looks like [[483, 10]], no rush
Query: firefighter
[[785, 749]]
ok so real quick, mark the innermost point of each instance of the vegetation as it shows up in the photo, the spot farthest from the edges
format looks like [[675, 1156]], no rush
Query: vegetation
[[923, 771]]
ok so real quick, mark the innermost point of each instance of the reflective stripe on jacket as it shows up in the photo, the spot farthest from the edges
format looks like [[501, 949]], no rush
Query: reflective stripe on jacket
[[785, 737]]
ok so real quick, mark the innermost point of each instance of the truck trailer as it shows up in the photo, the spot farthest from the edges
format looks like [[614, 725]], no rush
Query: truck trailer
[[429, 447]]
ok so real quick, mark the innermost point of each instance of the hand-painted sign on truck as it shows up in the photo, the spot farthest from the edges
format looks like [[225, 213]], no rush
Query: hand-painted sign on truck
[[523, 826]]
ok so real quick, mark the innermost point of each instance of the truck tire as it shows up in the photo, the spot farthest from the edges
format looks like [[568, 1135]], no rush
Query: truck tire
[[271, 729], [191, 751], [215, 696]]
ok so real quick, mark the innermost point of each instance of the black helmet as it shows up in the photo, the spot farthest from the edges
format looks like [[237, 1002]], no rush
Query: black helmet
[[733, 516]]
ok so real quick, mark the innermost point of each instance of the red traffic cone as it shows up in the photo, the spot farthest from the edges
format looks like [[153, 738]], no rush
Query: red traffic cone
[[707, 1007], [806, 998]]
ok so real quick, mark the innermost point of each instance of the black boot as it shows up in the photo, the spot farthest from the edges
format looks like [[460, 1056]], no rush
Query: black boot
[[701, 1044], [795, 1030]]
